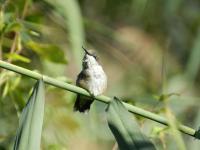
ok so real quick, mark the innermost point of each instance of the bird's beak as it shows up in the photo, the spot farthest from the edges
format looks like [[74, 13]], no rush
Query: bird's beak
[[86, 51]]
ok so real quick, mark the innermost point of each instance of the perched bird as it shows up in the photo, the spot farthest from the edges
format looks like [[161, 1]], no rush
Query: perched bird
[[92, 78]]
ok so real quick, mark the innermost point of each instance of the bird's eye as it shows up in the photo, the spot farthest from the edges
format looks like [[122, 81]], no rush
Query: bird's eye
[[95, 56]]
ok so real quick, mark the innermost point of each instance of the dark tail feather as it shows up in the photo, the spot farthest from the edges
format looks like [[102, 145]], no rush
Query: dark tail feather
[[82, 103]]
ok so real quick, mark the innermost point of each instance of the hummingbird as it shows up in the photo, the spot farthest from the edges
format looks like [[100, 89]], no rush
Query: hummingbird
[[92, 78]]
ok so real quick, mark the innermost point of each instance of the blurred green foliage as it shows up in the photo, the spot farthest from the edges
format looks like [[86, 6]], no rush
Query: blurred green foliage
[[149, 49]]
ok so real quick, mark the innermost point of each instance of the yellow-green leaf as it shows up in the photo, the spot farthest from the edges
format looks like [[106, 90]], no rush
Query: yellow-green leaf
[[17, 57], [13, 26]]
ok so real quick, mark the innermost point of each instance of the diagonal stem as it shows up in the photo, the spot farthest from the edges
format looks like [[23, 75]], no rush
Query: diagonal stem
[[60, 84]]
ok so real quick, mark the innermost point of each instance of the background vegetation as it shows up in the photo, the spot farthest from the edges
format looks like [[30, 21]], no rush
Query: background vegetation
[[150, 51]]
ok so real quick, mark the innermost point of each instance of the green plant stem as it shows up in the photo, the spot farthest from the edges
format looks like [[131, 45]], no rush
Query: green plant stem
[[105, 99]]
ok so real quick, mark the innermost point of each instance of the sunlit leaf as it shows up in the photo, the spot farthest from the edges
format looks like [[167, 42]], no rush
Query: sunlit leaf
[[13, 26], [164, 97], [125, 128], [33, 26], [30, 124], [16, 82], [17, 57], [173, 126], [6, 75], [2, 24], [34, 33], [157, 130], [50, 52], [6, 89]]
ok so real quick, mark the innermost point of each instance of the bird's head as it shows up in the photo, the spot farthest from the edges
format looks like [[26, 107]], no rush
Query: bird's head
[[90, 58]]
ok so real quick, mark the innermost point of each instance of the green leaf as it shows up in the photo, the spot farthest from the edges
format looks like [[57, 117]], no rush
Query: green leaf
[[173, 126], [17, 57], [15, 82], [13, 26], [125, 128], [50, 52], [2, 24], [5, 90], [30, 124], [164, 97]]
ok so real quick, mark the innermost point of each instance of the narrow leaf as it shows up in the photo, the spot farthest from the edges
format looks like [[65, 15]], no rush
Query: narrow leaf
[[125, 128], [5, 90], [17, 57], [30, 124], [13, 26], [174, 130]]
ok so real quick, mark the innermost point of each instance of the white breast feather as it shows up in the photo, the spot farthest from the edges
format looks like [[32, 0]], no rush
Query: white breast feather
[[98, 82]]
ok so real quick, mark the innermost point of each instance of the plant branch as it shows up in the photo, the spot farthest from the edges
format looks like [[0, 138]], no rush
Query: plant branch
[[17, 34], [60, 84]]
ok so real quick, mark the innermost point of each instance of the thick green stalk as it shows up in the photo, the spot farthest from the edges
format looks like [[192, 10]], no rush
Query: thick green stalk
[[105, 99]]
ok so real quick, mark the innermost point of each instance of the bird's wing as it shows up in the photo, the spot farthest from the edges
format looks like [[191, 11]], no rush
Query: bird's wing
[[82, 79]]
